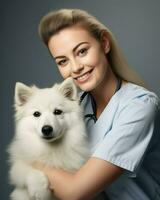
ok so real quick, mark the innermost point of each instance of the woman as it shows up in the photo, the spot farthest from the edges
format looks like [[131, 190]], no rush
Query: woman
[[119, 112]]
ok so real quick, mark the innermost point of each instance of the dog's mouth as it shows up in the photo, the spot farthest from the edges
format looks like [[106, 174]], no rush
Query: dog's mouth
[[48, 137], [52, 138]]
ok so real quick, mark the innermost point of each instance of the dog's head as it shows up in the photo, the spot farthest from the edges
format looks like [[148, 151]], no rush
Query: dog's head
[[48, 112]]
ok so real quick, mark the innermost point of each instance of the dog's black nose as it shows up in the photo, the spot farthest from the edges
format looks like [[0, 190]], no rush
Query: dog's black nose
[[47, 131]]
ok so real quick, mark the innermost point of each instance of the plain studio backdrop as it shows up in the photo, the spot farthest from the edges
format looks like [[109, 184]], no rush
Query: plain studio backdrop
[[24, 58]]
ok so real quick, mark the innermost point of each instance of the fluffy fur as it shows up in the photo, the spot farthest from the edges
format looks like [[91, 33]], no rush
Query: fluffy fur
[[49, 129]]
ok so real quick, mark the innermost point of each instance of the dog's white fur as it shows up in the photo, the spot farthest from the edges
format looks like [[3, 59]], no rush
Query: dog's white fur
[[67, 149]]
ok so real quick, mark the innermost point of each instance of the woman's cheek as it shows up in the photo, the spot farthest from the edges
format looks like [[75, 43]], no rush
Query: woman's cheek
[[93, 59], [64, 72]]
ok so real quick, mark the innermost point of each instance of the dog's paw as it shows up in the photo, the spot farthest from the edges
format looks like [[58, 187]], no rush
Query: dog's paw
[[38, 186]]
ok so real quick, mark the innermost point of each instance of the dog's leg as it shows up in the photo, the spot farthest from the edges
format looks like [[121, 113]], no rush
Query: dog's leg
[[19, 194], [22, 175], [38, 186], [19, 172]]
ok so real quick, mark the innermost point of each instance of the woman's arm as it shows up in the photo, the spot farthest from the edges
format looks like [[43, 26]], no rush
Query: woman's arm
[[92, 178]]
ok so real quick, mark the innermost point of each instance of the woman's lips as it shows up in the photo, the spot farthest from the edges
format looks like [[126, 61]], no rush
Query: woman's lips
[[84, 77]]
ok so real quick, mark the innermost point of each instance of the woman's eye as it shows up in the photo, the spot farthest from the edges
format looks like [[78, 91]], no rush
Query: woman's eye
[[82, 52], [36, 114], [58, 112], [62, 62]]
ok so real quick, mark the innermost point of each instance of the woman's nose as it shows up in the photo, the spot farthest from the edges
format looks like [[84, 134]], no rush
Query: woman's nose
[[76, 67]]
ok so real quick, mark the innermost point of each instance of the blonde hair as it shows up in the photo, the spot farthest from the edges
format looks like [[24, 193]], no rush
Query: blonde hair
[[55, 21]]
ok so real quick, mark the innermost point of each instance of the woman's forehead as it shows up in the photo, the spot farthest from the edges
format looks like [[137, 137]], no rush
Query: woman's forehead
[[68, 38]]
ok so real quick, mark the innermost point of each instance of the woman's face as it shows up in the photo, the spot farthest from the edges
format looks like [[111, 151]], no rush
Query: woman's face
[[80, 56]]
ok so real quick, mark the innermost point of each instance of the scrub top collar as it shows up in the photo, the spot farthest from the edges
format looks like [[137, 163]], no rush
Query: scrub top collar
[[93, 103]]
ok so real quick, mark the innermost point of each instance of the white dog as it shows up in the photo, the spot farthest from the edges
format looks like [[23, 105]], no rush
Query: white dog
[[49, 129]]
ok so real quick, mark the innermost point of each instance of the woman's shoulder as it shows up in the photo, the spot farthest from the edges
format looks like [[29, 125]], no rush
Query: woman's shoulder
[[131, 92]]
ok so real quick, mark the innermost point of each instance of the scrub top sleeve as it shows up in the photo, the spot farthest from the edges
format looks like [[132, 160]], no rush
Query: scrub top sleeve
[[126, 143]]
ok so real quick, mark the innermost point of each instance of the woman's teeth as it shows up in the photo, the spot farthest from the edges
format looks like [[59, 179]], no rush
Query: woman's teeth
[[84, 77], [81, 78]]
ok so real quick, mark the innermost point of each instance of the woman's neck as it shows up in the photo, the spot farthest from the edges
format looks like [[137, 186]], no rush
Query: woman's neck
[[103, 93]]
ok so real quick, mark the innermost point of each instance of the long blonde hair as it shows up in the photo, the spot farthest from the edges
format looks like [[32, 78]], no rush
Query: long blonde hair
[[55, 21]]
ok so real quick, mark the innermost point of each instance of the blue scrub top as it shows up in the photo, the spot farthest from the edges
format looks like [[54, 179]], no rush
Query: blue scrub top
[[125, 135]]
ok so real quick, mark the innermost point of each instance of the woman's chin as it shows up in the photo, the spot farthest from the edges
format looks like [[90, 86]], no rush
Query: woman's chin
[[87, 87]]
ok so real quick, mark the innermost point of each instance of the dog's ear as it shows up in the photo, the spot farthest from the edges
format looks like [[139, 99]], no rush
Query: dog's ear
[[69, 89], [22, 93]]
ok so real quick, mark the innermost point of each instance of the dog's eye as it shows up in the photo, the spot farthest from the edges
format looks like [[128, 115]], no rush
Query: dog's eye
[[58, 112], [36, 114]]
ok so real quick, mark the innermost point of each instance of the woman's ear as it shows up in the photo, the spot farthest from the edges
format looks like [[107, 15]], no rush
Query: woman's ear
[[105, 41]]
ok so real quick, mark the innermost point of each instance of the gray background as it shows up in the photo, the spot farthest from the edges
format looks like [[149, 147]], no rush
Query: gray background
[[24, 58]]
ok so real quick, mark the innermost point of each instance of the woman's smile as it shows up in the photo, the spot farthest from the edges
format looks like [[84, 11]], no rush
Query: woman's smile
[[84, 77]]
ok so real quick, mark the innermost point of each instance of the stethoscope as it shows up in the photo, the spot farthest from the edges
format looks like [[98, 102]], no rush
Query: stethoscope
[[93, 103]]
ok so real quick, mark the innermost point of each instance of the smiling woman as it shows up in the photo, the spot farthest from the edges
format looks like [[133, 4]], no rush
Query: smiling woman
[[83, 58], [122, 135]]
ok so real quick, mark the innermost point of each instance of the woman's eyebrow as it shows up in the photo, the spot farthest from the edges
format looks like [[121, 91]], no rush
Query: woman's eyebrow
[[74, 49]]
